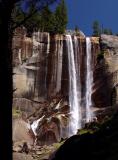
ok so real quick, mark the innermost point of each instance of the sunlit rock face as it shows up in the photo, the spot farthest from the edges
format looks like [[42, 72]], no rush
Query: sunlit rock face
[[55, 68], [45, 69], [106, 73], [110, 45], [61, 78], [21, 132], [22, 46]]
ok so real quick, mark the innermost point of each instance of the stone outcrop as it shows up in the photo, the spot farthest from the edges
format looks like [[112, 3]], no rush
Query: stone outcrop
[[21, 132], [106, 73], [109, 44], [22, 46], [20, 156], [25, 105]]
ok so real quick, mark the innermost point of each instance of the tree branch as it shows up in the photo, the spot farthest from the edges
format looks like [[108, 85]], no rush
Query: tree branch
[[25, 19], [31, 14]]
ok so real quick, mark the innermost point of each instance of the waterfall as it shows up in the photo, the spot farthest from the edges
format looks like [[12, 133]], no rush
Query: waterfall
[[35, 44], [89, 81], [46, 66], [48, 43], [19, 56], [59, 63], [78, 79], [34, 125], [73, 95]]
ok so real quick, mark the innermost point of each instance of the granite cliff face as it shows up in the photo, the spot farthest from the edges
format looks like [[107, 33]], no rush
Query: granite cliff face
[[41, 80], [109, 45], [42, 61]]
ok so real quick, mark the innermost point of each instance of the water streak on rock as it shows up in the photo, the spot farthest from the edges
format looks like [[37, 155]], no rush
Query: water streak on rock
[[89, 81]]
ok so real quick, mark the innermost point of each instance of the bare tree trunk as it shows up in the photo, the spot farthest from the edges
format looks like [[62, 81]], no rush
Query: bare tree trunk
[[6, 84], [5, 81]]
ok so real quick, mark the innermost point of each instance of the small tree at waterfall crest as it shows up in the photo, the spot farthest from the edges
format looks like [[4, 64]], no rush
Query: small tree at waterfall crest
[[107, 31], [96, 29]]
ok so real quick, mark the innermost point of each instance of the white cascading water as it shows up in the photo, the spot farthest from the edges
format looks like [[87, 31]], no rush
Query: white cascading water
[[48, 45], [34, 125], [19, 56], [78, 79], [35, 44], [46, 67], [73, 93], [74, 79], [59, 63], [89, 81]]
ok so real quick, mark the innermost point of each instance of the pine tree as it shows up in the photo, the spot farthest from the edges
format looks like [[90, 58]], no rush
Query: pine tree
[[61, 17], [96, 29], [107, 31], [47, 20], [32, 23], [110, 32], [76, 29], [6, 32]]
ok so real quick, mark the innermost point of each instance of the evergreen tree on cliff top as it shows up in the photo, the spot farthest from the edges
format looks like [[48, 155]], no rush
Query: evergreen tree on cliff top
[[96, 29], [47, 22], [44, 20], [33, 23], [61, 17]]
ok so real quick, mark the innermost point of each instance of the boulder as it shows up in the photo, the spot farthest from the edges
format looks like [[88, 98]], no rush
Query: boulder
[[21, 131], [21, 156], [25, 105]]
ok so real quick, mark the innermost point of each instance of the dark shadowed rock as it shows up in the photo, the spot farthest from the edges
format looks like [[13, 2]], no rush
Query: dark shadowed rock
[[99, 145]]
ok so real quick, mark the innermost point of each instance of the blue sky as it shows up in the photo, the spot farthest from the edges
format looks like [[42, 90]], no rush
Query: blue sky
[[84, 12]]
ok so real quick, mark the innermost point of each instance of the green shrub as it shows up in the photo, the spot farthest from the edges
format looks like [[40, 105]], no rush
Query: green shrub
[[100, 55], [16, 113]]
